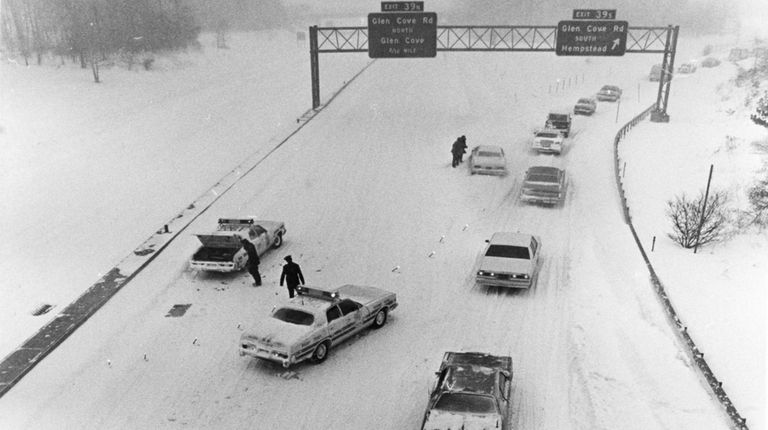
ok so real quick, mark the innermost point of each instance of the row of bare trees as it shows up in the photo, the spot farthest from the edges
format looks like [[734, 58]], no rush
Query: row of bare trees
[[91, 30]]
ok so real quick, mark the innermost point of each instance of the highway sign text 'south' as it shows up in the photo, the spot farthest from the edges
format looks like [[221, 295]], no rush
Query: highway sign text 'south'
[[402, 34], [599, 38]]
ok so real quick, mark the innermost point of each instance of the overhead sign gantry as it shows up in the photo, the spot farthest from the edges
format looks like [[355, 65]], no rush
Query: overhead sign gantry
[[591, 32]]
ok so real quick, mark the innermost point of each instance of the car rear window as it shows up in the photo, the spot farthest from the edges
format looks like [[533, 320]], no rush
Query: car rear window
[[294, 316], [585, 101], [466, 403], [541, 178], [488, 154], [549, 135], [506, 251]]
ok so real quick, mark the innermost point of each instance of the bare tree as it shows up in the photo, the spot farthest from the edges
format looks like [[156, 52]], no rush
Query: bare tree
[[686, 214], [758, 200]]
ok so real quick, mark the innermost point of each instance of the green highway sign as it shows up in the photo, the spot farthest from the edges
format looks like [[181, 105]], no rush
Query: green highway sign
[[596, 37], [402, 34]]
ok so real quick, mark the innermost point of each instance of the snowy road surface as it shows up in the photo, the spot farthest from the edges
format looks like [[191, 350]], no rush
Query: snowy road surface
[[368, 186]]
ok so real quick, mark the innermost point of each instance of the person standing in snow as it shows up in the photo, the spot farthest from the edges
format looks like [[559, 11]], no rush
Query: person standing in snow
[[463, 146], [291, 275], [253, 261], [457, 151]]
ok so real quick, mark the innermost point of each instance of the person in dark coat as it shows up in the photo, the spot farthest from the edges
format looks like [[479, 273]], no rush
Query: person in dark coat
[[291, 275], [458, 149], [253, 261], [463, 145]]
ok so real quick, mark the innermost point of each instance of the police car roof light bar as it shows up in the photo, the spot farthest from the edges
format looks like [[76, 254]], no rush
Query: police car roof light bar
[[317, 293]]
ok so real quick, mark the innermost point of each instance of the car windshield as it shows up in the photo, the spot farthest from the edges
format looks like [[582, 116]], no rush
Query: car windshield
[[294, 316], [585, 101], [558, 117], [610, 88], [507, 251], [466, 403], [488, 154]]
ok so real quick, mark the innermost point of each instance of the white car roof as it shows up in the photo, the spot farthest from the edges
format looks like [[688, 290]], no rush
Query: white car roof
[[488, 148], [509, 238]]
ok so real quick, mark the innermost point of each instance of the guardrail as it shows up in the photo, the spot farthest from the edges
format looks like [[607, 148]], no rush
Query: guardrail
[[738, 422]]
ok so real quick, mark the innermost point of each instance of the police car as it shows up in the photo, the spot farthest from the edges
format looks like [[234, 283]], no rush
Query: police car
[[316, 320]]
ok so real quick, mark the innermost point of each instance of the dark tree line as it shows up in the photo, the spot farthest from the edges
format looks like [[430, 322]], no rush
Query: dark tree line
[[90, 30]]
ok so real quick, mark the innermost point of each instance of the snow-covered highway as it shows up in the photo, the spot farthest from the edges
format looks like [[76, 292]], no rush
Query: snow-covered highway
[[368, 186]]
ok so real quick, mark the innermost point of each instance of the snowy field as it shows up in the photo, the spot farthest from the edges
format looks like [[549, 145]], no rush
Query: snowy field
[[90, 171]]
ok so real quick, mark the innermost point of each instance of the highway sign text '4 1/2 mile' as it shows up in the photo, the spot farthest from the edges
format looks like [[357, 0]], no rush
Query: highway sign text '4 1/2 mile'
[[599, 38]]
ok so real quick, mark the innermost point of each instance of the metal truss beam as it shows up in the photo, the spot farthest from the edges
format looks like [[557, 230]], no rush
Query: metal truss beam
[[488, 38]]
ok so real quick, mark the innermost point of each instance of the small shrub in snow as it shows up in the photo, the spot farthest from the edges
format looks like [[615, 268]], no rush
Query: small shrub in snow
[[685, 215], [760, 117], [758, 200]]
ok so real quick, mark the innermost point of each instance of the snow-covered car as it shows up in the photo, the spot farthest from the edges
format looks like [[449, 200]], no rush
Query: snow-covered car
[[316, 320], [487, 159], [710, 62], [585, 106], [472, 391], [560, 121], [686, 68], [548, 140], [544, 185], [610, 93], [509, 260], [222, 250]]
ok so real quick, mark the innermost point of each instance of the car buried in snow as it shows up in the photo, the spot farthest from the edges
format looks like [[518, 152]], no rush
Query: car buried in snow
[[543, 185], [585, 106], [316, 320], [686, 68], [509, 260], [609, 93], [549, 140], [487, 159], [222, 250], [472, 391]]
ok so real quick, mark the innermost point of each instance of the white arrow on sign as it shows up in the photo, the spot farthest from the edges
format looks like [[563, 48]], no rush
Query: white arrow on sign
[[615, 44]]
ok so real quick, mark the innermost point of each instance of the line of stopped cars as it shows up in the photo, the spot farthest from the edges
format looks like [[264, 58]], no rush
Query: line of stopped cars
[[471, 389]]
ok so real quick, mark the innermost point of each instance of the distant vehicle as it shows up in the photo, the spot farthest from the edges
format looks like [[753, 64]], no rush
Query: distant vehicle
[[710, 62], [222, 250], [738, 54], [655, 73], [544, 185], [473, 391], [314, 321], [687, 68], [585, 106], [487, 159], [560, 121], [609, 93], [548, 140], [509, 260]]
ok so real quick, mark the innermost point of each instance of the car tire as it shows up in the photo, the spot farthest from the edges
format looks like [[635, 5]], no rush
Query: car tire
[[278, 241], [380, 319], [321, 352]]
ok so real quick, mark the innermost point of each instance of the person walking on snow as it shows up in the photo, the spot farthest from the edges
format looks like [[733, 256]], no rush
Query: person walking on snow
[[253, 261], [458, 149], [291, 275], [463, 146]]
